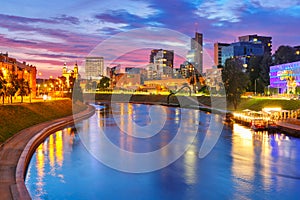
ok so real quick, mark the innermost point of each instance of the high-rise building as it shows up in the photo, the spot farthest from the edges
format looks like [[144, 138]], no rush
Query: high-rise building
[[266, 41], [195, 55], [162, 61], [218, 52], [94, 67], [242, 51], [248, 45]]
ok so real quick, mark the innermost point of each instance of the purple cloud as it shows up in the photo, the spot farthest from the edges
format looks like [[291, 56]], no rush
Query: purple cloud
[[23, 20], [66, 19]]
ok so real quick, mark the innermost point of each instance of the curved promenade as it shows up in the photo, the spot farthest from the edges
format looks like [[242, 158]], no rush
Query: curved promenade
[[15, 153]]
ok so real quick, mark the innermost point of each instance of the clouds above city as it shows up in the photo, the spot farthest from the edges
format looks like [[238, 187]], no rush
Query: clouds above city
[[49, 35]]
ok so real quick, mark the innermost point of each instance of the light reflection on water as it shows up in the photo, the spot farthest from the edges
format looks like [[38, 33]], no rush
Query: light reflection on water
[[243, 165]]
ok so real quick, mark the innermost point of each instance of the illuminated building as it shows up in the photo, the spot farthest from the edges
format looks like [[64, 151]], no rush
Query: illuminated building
[[242, 51], [24, 71], [213, 78], [70, 74], [285, 77], [161, 64], [195, 55], [266, 41], [128, 81], [218, 52], [169, 84], [126, 77], [94, 67]]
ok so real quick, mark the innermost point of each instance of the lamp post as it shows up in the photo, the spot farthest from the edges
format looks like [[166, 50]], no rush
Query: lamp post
[[255, 87], [38, 85]]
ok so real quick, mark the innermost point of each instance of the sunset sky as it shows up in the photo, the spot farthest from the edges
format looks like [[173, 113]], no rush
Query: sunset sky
[[49, 33]]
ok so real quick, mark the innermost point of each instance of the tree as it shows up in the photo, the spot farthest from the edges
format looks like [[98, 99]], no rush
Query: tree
[[258, 71], [11, 86], [88, 85], [77, 94], [285, 54], [266, 62], [253, 70], [24, 88], [2, 86], [104, 83], [235, 80]]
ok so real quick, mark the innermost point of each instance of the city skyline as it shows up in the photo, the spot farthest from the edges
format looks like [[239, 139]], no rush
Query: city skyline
[[47, 35]]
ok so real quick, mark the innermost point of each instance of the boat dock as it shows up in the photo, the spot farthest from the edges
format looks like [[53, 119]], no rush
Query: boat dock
[[265, 119]]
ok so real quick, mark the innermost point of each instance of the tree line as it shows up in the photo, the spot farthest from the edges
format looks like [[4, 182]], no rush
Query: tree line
[[10, 86]]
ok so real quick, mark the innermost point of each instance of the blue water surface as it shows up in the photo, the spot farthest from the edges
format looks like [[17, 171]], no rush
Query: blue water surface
[[242, 165]]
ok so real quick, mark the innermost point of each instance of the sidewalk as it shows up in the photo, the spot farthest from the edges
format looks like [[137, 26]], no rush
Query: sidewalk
[[12, 184]]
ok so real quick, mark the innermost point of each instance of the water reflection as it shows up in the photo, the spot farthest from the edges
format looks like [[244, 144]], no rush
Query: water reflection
[[243, 164], [259, 157], [49, 157]]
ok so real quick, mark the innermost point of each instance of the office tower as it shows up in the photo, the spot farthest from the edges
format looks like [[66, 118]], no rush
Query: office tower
[[94, 67], [162, 61], [266, 41], [195, 55], [242, 51], [218, 52]]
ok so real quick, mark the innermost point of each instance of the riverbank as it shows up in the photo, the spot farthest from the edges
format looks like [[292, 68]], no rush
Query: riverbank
[[16, 117], [209, 104], [255, 103], [15, 153]]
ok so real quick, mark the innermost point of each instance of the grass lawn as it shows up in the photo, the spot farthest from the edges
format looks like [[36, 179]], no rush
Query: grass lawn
[[259, 103], [16, 117]]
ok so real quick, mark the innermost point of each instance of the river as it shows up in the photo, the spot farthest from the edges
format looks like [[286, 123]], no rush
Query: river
[[76, 163]]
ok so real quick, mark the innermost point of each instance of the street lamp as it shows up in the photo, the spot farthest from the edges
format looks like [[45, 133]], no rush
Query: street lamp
[[255, 87], [38, 85]]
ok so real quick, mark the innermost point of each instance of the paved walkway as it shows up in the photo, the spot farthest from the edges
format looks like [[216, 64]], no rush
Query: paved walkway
[[12, 184]]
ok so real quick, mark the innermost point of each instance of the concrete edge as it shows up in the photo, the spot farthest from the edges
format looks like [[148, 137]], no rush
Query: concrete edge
[[19, 190]]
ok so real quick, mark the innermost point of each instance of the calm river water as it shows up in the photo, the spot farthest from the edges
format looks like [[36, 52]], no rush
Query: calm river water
[[242, 165]]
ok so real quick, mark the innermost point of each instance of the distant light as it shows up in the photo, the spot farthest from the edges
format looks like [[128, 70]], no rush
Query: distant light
[[45, 97], [274, 109]]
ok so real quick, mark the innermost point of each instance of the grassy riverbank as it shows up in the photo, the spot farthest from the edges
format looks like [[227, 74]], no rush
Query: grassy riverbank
[[257, 104], [16, 117]]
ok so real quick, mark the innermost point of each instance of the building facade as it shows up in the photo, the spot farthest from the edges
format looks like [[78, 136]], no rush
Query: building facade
[[22, 70], [161, 64], [218, 52], [248, 45], [70, 74], [266, 41], [242, 51], [94, 67], [126, 77], [195, 55], [213, 79], [285, 77]]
